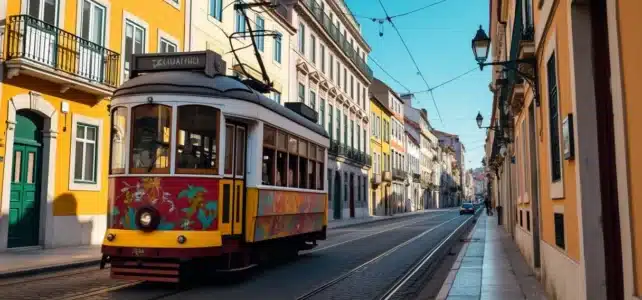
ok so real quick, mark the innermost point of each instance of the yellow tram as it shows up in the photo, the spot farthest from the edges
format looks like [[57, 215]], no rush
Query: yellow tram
[[205, 172]]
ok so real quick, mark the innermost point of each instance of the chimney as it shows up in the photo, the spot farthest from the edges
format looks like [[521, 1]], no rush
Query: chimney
[[407, 98]]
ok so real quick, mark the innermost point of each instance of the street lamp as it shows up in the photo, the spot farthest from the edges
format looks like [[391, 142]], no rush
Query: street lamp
[[481, 47], [480, 119]]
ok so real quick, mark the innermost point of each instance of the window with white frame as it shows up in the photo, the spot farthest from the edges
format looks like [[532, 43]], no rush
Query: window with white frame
[[92, 22], [84, 172], [313, 49], [260, 39], [86, 148], [277, 48], [239, 24], [135, 36], [302, 38], [165, 46], [216, 9], [45, 10]]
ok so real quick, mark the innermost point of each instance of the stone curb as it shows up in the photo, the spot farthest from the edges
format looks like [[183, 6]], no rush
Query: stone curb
[[49, 269]]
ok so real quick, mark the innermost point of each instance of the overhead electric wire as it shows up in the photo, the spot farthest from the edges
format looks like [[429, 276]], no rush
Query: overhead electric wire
[[413, 60], [384, 70], [397, 15], [416, 10], [447, 81]]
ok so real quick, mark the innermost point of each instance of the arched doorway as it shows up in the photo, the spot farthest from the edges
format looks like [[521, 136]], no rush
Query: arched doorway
[[336, 208], [25, 176]]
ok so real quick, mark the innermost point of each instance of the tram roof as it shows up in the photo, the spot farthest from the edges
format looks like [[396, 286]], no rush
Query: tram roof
[[199, 84]]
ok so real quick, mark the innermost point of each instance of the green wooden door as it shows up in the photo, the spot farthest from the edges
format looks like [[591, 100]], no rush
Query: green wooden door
[[24, 216]]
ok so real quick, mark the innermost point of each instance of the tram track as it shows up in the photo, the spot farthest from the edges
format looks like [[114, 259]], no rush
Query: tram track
[[395, 290], [327, 285]]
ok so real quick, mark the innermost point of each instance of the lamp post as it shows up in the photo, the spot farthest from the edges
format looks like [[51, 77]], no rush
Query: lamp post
[[481, 47], [480, 120]]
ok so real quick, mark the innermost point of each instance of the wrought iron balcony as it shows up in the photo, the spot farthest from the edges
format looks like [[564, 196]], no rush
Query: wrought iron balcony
[[336, 35], [387, 176], [416, 177], [375, 180], [398, 174], [46, 51], [353, 155]]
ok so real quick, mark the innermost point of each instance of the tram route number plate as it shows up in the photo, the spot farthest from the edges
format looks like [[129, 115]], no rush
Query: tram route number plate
[[138, 251]]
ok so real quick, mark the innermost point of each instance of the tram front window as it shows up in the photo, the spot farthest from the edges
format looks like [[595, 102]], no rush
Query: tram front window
[[118, 145], [197, 139], [151, 127]]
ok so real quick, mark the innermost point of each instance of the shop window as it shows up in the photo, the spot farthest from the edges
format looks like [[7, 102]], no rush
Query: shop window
[[151, 130], [197, 130]]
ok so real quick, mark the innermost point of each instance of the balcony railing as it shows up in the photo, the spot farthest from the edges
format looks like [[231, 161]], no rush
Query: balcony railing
[[332, 30], [356, 156], [398, 174], [387, 176], [32, 39], [416, 177]]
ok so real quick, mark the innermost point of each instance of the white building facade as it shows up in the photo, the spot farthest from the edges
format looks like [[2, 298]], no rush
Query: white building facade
[[328, 72], [414, 192], [210, 22]]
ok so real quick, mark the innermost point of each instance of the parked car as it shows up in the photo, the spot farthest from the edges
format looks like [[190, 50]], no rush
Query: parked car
[[467, 208]]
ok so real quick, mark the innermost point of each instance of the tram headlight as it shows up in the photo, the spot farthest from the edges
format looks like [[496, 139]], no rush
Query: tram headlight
[[111, 237], [181, 239], [145, 219]]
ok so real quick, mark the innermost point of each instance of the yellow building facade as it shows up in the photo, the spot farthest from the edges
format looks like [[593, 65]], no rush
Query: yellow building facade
[[380, 173], [566, 175], [63, 60], [624, 58]]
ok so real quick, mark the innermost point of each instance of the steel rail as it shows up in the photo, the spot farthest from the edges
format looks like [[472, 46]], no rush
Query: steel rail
[[346, 275], [399, 283]]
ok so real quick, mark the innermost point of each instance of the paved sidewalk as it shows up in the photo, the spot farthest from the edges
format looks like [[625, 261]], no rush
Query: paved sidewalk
[[333, 224], [26, 262], [490, 267]]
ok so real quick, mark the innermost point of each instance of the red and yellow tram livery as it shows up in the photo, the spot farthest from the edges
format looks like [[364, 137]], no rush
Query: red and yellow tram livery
[[208, 174]]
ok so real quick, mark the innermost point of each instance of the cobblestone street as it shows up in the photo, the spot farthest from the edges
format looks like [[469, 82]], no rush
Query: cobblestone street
[[372, 255]]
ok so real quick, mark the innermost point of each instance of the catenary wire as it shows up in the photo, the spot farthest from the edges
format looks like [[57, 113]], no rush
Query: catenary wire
[[413, 59]]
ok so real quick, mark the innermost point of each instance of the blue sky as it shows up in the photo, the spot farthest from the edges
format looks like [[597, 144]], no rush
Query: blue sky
[[439, 39]]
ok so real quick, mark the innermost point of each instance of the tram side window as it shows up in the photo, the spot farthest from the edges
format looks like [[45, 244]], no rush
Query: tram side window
[[291, 161], [151, 127], [281, 159], [320, 167], [118, 145], [268, 175], [197, 130], [303, 164]]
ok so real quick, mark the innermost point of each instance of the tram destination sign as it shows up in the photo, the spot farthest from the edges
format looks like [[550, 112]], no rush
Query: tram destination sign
[[208, 62]]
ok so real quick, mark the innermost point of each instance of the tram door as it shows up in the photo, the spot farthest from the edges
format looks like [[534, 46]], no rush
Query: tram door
[[233, 184]]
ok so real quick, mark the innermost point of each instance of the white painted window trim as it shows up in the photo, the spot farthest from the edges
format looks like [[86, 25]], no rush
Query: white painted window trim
[[557, 187], [559, 209], [127, 16], [174, 3], [162, 35], [106, 31], [60, 16], [100, 140]]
